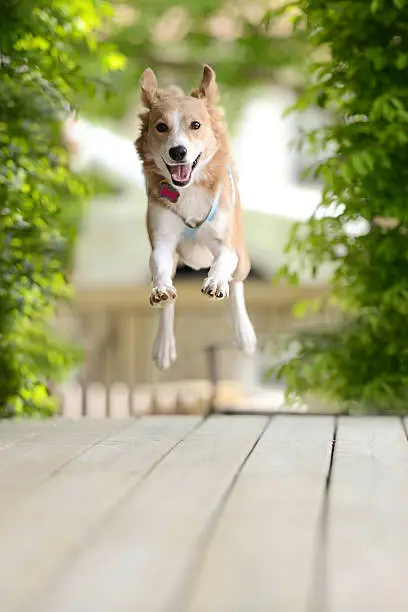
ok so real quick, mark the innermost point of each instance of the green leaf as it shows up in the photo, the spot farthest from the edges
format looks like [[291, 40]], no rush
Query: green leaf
[[42, 74], [359, 359]]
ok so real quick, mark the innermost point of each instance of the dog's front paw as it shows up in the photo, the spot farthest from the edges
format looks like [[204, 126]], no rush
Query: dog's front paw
[[215, 288], [162, 295]]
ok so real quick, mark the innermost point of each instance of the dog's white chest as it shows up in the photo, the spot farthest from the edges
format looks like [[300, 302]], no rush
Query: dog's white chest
[[195, 246], [194, 204]]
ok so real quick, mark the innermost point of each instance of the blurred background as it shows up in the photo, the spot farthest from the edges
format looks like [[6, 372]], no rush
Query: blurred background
[[102, 498], [260, 66]]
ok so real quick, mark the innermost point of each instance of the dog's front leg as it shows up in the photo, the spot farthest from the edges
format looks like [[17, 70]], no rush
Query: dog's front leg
[[165, 231], [216, 285], [162, 261]]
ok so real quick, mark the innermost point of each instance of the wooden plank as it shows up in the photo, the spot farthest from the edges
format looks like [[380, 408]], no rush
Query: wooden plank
[[13, 432], [35, 458], [367, 528], [261, 557], [142, 555], [39, 536], [134, 450]]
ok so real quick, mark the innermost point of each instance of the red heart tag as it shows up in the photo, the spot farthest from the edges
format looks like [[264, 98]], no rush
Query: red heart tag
[[168, 192]]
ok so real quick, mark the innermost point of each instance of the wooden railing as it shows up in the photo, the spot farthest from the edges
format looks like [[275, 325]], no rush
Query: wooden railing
[[117, 328]]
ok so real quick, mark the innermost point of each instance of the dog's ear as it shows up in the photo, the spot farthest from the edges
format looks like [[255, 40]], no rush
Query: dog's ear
[[148, 88], [208, 89]]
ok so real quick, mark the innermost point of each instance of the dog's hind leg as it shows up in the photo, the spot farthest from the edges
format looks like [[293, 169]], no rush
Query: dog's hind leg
[[244, 332], [164, 347]]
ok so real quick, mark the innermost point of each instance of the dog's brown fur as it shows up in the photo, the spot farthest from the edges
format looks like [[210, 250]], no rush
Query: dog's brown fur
[[158, 101]]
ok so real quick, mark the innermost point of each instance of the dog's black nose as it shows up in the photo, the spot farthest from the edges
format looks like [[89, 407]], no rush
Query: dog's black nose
[[178, 153]]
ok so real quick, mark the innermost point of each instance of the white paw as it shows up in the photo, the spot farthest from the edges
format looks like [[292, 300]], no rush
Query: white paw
[[164, 350], [215, 288], [246, 337], [162, 295]]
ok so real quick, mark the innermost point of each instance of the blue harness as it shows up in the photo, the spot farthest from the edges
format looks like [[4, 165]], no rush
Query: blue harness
[[189, 231]]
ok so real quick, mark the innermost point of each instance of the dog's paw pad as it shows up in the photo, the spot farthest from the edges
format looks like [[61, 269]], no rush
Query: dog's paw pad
[[215, 288], [162, 295]]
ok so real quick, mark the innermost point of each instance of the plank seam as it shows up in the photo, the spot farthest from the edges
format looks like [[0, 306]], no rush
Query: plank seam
[[404, 427], [93, 533], [331, 462], [318, 597], [271, 413], [191, 575], [84, 450]]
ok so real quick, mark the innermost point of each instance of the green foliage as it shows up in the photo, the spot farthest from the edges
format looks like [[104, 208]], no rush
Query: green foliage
[[247, 43], [41, 46], [360, 79]]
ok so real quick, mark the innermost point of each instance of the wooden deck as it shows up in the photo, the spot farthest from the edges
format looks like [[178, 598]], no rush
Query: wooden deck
[[224, 514]]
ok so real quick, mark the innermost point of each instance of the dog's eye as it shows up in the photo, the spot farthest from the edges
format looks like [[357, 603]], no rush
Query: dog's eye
[[161, 127], [195, 125]]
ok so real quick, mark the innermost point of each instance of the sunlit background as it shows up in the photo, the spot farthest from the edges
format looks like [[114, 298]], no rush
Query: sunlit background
[[260, 66]]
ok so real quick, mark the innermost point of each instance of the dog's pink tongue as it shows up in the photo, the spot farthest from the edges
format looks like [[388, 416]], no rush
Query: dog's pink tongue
[[181, 173]]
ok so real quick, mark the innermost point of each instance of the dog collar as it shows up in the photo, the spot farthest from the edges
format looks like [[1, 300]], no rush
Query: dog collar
[[190, 230], [168, 192]]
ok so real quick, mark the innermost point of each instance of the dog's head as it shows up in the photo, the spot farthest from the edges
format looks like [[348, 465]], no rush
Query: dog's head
[[178, 133]]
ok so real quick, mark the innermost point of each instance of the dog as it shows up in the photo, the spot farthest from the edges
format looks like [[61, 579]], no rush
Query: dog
[[194, 212]]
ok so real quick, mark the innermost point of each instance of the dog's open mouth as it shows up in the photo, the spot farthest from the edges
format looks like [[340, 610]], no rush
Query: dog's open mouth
[[181, 173]]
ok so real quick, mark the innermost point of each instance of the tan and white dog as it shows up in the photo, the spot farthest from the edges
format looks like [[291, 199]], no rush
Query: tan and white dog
[[194, 212]]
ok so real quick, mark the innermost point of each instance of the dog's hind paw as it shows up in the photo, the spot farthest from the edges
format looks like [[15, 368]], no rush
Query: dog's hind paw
[[246, 337], [162, 295], [164, 351], [215, 288]]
